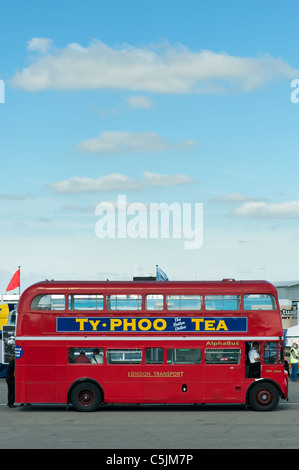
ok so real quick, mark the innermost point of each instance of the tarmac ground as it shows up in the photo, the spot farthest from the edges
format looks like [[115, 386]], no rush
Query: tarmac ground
[[154, 427]]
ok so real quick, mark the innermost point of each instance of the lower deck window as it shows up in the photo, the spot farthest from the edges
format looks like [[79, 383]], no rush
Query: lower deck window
[[273, 353], [183, 356], [124, 356], [85, 355], [222, 356], [154, 355]]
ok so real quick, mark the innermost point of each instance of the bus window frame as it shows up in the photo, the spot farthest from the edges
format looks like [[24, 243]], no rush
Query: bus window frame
[[238, 298], [51, 310], [200, 298], [272, 298]]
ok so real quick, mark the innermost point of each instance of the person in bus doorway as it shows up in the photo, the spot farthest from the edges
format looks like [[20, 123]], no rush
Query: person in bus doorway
[[254, 359], [294, 359], [254, 353], [10, 380]]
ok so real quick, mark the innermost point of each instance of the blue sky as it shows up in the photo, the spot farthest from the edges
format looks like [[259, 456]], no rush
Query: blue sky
[[160, 101]]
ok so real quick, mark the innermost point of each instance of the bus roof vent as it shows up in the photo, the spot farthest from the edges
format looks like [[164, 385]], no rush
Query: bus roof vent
[[228, 280]]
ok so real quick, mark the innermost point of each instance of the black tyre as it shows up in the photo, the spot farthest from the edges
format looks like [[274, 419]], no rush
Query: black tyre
[[264, 397], [86, 396]]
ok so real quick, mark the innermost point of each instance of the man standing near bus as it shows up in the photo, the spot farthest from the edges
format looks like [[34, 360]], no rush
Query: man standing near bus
[[10, 380], [294, 359]]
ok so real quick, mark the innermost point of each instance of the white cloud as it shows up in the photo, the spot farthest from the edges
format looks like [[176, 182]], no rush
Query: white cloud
[[80, 184], [284, 210], [76, 208], [234, 198], [117, 182], [155, 179], [115, 142], [16, 196], [159, 69], [40, 45], [139, 102]]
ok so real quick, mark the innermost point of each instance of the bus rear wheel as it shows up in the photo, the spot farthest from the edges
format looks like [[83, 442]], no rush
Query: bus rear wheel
[[264, 397], [86, 396]]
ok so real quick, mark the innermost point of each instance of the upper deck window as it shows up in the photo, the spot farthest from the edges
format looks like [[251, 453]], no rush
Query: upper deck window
[[48, 302], [184, 302], [86, 302], [259, 302], [154, 302], [124, 302], [222, 302]]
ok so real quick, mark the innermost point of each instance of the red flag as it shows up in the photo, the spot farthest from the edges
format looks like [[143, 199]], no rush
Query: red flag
[[15, 281]]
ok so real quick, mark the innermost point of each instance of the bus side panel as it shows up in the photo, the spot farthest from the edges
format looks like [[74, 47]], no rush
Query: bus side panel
[[141, 384], [118, 387], [224, 383], [40, 373]]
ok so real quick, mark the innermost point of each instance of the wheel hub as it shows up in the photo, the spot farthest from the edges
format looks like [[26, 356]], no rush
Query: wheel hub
[[264, 397], [86, 397]]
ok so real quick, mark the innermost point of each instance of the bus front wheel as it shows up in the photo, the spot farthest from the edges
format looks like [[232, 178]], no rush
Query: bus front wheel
[[86, 396], [264, 397]]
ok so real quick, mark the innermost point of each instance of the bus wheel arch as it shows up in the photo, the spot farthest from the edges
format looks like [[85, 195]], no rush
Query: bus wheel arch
[[263, 395], [85, 394]]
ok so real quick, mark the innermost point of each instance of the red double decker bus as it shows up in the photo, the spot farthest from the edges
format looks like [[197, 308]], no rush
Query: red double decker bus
[[91, 343]]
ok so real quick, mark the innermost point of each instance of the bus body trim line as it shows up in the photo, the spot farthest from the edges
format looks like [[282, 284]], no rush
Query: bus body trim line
[[148, 338]]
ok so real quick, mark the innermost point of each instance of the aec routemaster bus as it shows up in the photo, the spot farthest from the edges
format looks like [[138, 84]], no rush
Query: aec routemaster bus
[[91, 343]]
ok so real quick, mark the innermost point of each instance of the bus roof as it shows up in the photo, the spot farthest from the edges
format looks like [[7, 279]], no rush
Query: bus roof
[[224, 287]]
